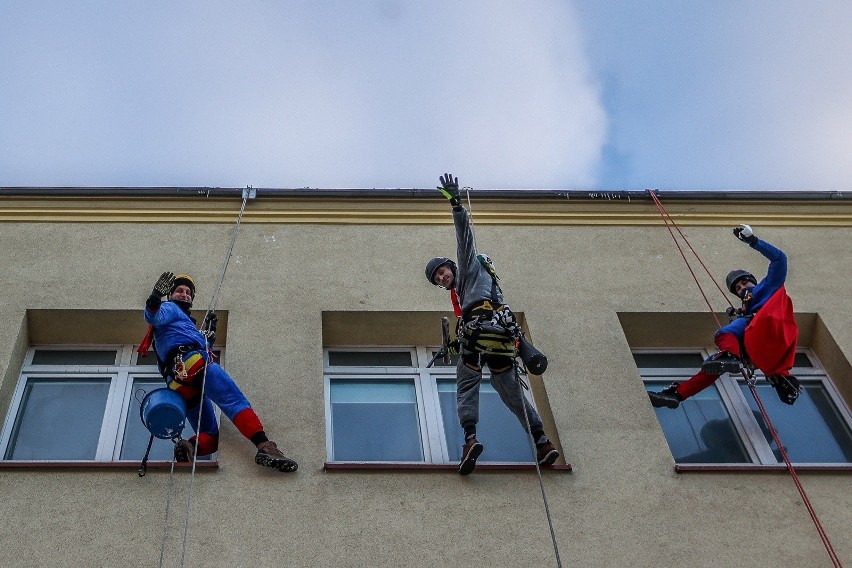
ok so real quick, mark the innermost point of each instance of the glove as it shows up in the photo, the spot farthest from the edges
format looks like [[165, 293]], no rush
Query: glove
[[450, 189], [454, 347], [731, 312], [161, 288], [210, 321], [208, 327], [745, 234], [209, 335], [164, 284]]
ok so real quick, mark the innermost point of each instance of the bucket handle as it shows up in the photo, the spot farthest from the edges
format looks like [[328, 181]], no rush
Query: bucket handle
[[136, 395]]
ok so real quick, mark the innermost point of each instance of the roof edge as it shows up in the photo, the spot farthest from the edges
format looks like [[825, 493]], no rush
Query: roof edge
[[307, 192]]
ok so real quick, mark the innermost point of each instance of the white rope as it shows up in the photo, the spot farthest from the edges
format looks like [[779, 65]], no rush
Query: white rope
[[537, 468], [166, 518], [526, 415], [470, 215], [210, 309]]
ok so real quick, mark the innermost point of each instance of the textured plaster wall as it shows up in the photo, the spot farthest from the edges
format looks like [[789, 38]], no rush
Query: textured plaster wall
[[623, 505]]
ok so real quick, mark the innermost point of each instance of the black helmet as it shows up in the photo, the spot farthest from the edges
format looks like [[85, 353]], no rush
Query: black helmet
[[735, 276], [433, 265]]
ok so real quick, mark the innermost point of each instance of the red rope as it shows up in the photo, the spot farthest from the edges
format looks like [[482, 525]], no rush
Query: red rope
[[668, 219], [814, 517], [822, 534]]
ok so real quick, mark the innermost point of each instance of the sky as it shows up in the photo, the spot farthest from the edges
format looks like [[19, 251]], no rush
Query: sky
[[580, 95]]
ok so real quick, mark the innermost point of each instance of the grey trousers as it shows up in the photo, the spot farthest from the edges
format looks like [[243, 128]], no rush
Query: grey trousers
[[506, 385]]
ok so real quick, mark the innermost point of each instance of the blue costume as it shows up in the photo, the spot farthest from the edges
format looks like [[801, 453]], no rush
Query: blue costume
[[174, 329], [187, 364], [765, 289]]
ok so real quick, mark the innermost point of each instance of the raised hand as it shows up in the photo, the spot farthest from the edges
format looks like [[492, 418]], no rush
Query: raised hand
[[450, 188], [164, 284]]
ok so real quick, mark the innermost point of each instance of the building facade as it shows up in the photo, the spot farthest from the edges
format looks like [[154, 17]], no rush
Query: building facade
[[327, 324]]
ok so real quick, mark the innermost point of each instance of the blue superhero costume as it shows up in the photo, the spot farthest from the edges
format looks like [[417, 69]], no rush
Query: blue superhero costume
[[175, 332]]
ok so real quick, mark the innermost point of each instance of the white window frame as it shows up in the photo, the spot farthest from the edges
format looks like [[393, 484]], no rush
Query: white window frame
[[118, 409], [432, 434], [729, 387]]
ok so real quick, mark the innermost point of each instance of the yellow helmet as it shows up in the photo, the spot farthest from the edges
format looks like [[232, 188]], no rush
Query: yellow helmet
[[183, 280]]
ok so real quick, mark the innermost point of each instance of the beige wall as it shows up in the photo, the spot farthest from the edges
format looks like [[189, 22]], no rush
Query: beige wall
[[575, 281]]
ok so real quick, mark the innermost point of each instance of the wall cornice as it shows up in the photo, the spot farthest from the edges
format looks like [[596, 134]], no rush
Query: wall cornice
[[424, 211]]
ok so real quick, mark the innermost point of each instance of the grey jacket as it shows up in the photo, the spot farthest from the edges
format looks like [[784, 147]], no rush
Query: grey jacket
[[473, 283]]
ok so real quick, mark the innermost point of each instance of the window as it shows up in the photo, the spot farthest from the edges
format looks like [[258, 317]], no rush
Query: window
[[723, 424], [384, 405], [81, 404]]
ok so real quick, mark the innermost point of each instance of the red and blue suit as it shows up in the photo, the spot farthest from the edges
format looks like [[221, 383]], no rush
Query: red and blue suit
[[175, 333], [766, 330]]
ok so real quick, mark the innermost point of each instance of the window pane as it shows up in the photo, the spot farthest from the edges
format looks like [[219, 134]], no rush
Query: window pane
[[499, 430], [812, 430], [75, 357], [802, 360], [59, 419], [136, 436], [369, 358], [374, 420], [700, 430], [149, 360], [668, 360]]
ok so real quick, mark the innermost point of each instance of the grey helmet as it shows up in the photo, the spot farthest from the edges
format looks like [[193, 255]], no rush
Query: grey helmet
[[433, 265], [735, 276]]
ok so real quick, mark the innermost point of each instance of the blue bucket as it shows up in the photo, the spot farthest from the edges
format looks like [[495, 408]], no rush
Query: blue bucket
[[163, 413]]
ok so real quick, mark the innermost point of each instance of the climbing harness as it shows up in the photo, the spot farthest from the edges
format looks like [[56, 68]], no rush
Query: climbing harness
[[248, 193], [747, 371]]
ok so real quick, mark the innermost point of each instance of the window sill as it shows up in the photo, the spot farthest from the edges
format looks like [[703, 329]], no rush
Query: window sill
[[388, 466], [207, 464], [750, 467]]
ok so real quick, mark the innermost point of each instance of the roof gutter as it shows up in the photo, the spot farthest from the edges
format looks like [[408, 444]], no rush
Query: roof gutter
[[307, 192]]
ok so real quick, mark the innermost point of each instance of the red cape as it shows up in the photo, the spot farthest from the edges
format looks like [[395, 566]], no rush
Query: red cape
[[772, 335]]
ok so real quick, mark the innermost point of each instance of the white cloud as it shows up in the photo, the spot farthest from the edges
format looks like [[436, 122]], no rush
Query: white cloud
[[340, 94]]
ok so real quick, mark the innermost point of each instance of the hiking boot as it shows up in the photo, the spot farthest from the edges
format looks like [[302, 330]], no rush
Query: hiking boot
[[470, 452], [269, 455], [787, 387], [184, 450], [546, 454], [667, 397], [721, 363]]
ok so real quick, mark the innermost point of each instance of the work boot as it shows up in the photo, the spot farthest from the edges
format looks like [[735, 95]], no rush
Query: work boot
[[546, 454], [721, 363], [667, 397], [787, 387], [470, 452], [269, 455], [184, 450]]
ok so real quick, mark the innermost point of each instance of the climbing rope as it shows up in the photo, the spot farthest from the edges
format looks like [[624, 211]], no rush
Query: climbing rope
[[814, 517], [795, 477], [248, 193], [526, 415], [667, 219], [537, 467]]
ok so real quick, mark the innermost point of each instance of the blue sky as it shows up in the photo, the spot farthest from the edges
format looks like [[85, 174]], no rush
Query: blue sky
[[591, 94]]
